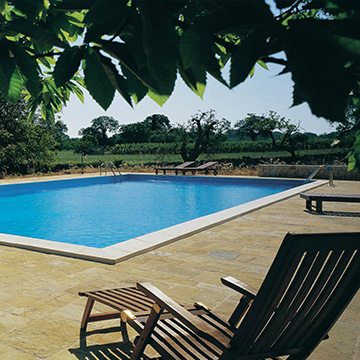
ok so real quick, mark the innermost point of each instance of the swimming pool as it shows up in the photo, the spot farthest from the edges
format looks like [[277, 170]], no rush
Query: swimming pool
[[99, 214]]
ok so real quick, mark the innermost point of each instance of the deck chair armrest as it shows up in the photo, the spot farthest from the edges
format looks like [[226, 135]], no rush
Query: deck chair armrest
[[239, 286], [197, 325]]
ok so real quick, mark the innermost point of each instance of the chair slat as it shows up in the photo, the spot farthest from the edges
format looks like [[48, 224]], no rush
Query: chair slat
[[219, 324], [332, 309], [176, 339], [323, 276], [269, 295], [118, 304], [321, 299], [281, 321], [131, 298], [206, 348]]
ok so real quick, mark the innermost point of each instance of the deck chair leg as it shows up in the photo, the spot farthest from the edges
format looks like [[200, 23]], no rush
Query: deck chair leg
[[88, 307], [124, 332], [145, 335]]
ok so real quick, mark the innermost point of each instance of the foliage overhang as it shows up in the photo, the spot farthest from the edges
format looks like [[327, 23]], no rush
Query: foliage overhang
[[139, 47]]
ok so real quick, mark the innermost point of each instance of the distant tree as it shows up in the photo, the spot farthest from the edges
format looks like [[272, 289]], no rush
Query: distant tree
[[100, 128], [138, 132], [158, 122], [283, 134], [160, 127], [85, 146], [25, 146], [250, 126], [60, 129], [155, 128], [202, 131]]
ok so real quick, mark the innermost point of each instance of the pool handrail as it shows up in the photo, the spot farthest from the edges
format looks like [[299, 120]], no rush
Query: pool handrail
[[111, 166], [317, 169]]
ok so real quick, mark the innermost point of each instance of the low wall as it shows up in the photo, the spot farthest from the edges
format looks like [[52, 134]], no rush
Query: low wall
[[303, 171]]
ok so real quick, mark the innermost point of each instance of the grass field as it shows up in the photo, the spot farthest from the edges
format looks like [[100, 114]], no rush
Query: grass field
[[65, 157]]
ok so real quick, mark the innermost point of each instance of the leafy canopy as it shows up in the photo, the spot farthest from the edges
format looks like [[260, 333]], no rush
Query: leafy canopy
[[138, 48]]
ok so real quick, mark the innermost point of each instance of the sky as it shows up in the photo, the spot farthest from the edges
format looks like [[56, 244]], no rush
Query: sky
[[263, 92]]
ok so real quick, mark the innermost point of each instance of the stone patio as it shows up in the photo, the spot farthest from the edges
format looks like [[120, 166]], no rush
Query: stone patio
[[40, 310]]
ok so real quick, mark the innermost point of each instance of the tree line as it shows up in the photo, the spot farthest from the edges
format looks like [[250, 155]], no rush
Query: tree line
[[202, 133]]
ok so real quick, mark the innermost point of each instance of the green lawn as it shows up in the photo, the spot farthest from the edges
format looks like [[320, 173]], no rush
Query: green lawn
[[65, 157]]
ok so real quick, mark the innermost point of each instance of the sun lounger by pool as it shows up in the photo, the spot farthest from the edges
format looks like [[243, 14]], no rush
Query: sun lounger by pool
[[320, 198], [173, 168], [310, 283], [209, 166]]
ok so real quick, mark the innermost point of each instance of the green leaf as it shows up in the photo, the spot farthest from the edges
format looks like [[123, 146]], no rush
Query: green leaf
[[354, 154], [281, 4], [105, 17], [214, 69], [160, 43], [194, 78], [123, 53], [159, 99], [96, 80], [32, 9], [40, 32], [3, 4], [44, 61], [67, 65], [136, 88], [297, 98], [252, 72], [246, 55], [10, 81], [76, 18], [195, 46], [28, 66], [325, 85], [77, 91], [117, 81], [352, 46], [262, 64]]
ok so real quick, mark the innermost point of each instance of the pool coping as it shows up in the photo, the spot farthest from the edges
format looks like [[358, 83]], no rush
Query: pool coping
[[116, 253]]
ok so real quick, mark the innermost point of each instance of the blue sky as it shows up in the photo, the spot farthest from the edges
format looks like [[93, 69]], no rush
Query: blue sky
[[265, 91]]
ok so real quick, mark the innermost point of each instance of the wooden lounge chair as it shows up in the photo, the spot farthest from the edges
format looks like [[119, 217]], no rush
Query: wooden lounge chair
[[311, 281], [204, 167], [173, 168], [320, 198]]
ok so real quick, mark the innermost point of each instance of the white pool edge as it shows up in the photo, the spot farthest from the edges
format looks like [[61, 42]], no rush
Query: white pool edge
[[124, 250]]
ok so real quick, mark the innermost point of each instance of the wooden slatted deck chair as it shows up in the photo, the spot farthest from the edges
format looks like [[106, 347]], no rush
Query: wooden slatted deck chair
[[311, 281], [174, 168], [209, 166]]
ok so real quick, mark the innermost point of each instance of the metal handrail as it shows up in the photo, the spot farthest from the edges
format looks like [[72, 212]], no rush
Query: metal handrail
[[317, 169], [111, 166]]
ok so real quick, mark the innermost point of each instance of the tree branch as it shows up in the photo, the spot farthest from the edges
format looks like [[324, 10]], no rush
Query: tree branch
[[271, 59]]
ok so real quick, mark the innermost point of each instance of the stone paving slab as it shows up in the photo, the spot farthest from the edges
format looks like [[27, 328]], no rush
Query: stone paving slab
[[40, 310]]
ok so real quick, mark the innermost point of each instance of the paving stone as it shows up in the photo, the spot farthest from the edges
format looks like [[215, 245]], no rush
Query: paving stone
[[227, 255]]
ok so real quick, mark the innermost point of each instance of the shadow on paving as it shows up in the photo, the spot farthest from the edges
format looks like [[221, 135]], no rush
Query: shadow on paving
[[335, 213], [112, 351]]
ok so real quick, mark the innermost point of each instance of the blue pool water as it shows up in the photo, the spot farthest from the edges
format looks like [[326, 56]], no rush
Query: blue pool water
[[98, 212]]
